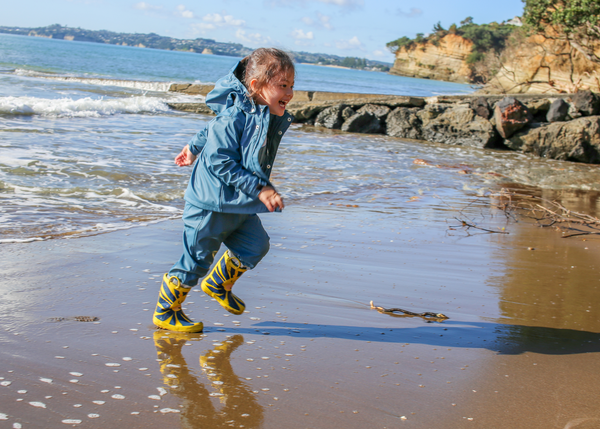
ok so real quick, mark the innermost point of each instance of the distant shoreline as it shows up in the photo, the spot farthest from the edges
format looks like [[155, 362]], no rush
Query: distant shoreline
[[198, 45]]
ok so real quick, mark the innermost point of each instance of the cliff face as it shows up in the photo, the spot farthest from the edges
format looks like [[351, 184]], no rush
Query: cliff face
[[447, 61], [540, 65]]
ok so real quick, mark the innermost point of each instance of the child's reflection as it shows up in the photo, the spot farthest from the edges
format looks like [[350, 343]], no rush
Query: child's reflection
[[240, 408]]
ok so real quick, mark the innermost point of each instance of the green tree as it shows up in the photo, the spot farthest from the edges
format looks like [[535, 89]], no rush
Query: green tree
[[575, 21], [397, 44]]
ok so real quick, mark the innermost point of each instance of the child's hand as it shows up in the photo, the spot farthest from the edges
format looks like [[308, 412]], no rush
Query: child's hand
[[271, 198], [185, 157]]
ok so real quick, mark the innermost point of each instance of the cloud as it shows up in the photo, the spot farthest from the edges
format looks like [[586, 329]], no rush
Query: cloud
[[380, 53], [322, 21], [345, 4], [301, 38], [411, 14], [146, 6], [184, 13], [221, 20], [253, 38], [212, 21], [301, 35], [353, 43]]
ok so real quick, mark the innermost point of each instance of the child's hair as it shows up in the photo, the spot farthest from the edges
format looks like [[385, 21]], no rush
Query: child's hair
[[264, 65]]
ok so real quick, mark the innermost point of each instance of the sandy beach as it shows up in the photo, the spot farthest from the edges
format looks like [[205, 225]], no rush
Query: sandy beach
[[519, 350]]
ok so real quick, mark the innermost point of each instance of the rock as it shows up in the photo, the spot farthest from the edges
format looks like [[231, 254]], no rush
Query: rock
[[378, 110], [510, 116], [331, 117], [538, 109], [432, 111], [559, 111], [481, 107], [576, 140], [460, 125], [347, 112], [365, 122], [404, 122], [586, 103]]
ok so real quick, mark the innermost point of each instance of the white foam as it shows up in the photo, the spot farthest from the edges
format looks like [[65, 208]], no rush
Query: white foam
[[135, 84], [83, 107]]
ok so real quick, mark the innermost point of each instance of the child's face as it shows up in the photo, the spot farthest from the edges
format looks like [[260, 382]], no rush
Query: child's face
[[277, 94]]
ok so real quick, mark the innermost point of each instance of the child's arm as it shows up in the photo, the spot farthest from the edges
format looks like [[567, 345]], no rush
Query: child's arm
[[188, 154]]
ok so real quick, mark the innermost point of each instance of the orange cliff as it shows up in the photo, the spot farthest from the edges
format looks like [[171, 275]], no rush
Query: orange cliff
[[446, 61], [537, 65]]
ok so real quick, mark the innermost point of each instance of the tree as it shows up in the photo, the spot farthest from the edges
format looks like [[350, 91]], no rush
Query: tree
[[574, 21], [395, 45], [468, 20]]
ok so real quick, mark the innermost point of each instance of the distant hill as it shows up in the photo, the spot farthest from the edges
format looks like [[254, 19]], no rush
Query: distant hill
[[200, 46]]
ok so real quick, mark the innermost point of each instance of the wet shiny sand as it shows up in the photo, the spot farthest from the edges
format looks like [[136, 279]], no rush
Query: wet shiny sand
[[521, 347]]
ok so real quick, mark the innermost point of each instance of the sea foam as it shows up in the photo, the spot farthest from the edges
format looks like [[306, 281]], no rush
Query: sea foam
[[83, 107]]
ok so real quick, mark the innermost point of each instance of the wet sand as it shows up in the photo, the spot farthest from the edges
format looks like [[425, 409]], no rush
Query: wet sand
[[521, 348]]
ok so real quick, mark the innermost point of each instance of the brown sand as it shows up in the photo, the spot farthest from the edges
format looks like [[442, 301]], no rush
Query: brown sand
[[520, 349]]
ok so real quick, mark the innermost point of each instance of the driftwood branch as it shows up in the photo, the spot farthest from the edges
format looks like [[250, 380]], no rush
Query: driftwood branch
[[547, 213], [426, 315]]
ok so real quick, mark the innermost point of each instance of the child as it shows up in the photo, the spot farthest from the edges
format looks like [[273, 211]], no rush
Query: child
[[230, 185]]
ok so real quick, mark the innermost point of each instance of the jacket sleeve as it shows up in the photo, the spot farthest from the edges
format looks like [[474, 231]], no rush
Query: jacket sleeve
[[224, 156], [197, 142]]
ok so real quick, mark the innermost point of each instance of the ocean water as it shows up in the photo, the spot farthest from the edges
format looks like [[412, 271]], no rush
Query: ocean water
[[87, 143]]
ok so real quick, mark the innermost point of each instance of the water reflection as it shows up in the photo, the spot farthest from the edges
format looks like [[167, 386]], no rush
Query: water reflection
[[236, 406]]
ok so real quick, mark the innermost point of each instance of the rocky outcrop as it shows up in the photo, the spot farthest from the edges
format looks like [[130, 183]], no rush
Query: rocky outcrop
[[522, 122], [576, 140], [445, 60], [459, 125]]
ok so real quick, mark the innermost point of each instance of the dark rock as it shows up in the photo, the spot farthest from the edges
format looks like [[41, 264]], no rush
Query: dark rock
[[460, 125], [378, 110], [481, 107], [576, 140], [404, 122], [586, 103], [559, 111], [538, 108], [331, 117], [347, 112], [510, 116], [365, 122]]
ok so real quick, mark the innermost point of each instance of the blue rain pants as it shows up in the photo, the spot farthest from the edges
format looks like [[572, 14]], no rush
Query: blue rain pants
[[203, 233]]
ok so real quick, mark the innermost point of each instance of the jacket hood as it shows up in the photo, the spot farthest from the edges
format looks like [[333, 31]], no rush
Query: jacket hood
[[230, 91]]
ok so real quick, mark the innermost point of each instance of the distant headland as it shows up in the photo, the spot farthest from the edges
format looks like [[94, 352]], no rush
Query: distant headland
[[199, 45]]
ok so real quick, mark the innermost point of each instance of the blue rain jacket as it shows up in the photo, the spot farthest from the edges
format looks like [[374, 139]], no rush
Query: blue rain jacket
[[227, 176]]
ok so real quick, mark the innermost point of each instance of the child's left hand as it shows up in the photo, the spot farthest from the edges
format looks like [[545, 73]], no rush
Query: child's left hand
[[185, 157], [271, 199]]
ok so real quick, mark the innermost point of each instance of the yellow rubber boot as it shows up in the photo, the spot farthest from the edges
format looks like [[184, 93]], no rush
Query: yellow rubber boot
[[168, 313], [219, 282]]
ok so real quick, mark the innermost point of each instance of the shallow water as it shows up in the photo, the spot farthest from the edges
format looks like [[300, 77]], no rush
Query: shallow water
[[86, 149]]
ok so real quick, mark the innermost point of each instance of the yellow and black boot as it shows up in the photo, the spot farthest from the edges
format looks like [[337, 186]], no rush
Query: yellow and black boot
[[219, 282], [168, 313]]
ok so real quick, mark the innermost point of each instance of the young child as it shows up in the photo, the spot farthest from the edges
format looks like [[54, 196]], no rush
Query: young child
[[230, 185]]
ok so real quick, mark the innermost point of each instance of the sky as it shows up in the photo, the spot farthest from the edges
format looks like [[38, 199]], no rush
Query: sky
[[353, 28]]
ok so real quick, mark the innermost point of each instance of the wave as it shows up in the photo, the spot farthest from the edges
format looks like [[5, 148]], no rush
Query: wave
[[135, 84], [80, 108]]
